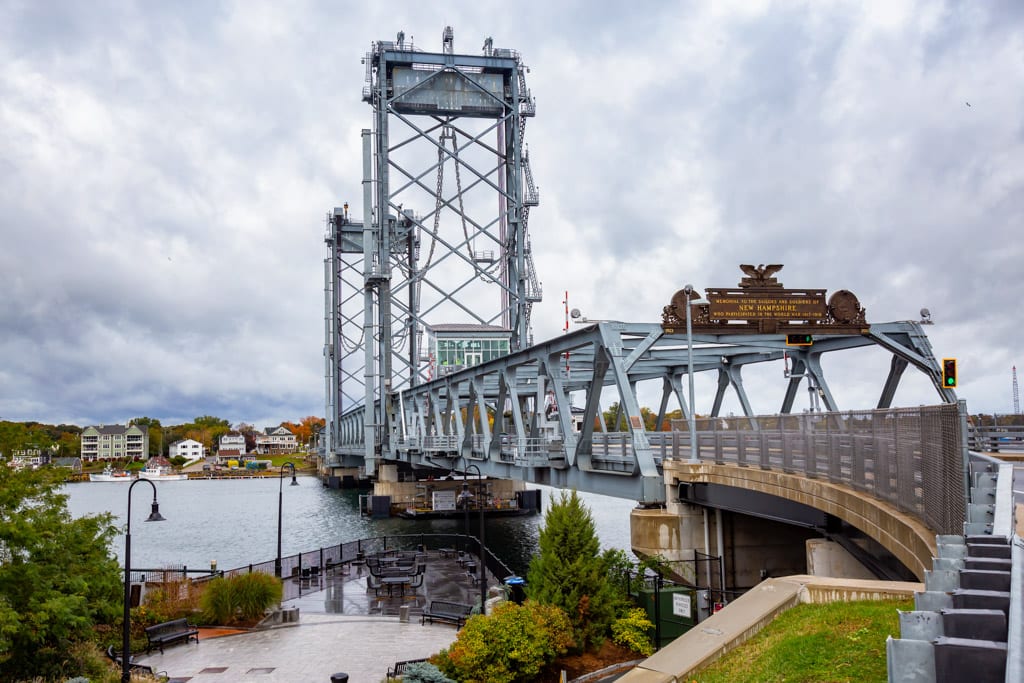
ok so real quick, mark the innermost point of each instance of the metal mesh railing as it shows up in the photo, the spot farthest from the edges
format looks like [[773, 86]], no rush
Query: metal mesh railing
[[912, 458]]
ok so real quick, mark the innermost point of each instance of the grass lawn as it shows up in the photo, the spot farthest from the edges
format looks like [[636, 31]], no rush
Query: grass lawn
[[836, 642]]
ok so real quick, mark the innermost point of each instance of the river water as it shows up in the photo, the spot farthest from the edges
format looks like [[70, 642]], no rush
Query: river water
[[234, 521]]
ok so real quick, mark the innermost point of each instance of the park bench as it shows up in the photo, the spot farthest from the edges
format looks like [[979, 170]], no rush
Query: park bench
[[399, 668], [450, 612], [169, 632]]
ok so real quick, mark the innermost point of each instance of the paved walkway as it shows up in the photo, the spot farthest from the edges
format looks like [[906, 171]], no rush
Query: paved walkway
[[318, 646], [343, 627]]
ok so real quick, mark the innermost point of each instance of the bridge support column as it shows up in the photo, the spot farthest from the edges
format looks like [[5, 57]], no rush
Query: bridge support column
[[673, 533], [340, 477], [752, 549]]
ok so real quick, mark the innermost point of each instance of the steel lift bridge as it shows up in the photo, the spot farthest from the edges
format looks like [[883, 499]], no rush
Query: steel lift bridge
[[429, 357]]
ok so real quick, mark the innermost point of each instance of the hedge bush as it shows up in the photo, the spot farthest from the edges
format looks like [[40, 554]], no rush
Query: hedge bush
[[511, 644]]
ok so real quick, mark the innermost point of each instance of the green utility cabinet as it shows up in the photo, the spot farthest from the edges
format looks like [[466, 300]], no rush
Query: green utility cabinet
[[674, 606]]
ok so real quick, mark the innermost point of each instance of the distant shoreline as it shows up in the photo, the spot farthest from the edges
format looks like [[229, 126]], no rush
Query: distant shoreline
[[197, 476]]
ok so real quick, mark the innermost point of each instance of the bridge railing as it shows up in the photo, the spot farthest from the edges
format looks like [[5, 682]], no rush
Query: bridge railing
[[912, 458], [997, 438]]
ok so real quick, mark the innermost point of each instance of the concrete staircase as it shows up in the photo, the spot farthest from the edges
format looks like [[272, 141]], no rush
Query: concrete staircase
[[959, 629]]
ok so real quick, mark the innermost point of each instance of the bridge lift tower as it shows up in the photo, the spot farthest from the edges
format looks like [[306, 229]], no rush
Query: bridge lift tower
[[447, 191]]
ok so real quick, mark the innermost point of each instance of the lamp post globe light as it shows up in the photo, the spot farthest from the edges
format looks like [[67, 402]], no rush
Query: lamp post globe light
[[691, 301], [280, 500], [483, 548], [154, 516]]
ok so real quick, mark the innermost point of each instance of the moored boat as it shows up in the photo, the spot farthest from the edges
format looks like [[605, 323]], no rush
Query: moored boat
[[110, 474], [159, 469]]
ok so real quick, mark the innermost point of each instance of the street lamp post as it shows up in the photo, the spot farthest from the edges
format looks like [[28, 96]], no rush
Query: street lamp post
[[154, 516], [483, 547], [280, 500], [691, 301]]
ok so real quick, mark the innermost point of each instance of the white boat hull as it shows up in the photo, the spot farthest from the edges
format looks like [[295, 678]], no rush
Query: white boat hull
[[110, 477], [152, 476]]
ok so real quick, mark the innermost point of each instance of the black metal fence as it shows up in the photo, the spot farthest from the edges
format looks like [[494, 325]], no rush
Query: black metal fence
[[354, 551], [676, 607]]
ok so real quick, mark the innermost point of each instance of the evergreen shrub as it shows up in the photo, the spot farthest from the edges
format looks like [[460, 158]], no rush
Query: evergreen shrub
[[424, 672]]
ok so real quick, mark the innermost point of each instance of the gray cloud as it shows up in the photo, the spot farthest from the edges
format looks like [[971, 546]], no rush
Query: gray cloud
[[165, 169]]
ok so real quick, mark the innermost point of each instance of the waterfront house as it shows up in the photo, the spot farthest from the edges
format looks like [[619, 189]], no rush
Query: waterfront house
[[114, 442], [31, 458], [275, 440], [232, 441], [190, 449]]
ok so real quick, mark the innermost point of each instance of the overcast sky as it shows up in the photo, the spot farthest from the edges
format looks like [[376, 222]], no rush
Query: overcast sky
[[165, 169]]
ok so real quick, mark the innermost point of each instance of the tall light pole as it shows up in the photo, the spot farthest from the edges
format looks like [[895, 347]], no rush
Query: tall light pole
[[483, 548], [154, 516], [280, 500], [691, 301]]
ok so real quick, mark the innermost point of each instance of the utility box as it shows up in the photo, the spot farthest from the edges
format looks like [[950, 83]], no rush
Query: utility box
[[675, 607]]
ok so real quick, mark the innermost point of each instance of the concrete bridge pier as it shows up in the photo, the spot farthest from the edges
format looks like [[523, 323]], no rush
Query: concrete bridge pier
[[340, 477], [752, 549]]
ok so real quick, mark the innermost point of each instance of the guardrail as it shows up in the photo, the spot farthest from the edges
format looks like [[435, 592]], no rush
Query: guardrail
[[997, 439]]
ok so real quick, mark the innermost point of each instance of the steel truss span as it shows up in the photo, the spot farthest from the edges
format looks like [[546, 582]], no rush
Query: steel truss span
[[513, 416]]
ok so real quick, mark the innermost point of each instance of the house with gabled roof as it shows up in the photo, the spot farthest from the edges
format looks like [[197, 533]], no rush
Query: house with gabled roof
[[276, 440]]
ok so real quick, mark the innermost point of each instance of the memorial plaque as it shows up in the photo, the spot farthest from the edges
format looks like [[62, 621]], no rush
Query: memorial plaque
[[761, 305], [779, 305]]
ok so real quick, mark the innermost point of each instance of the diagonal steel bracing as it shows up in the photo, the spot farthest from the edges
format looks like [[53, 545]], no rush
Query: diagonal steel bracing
[[513, 416]]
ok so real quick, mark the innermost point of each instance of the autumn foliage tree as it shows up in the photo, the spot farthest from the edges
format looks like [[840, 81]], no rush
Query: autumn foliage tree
[[305, 428]]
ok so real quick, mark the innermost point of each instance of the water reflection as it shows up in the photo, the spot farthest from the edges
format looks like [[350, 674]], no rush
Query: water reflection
[[235, 522]]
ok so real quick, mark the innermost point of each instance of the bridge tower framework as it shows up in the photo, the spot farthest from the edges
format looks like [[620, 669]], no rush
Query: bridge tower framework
[[447, 191]]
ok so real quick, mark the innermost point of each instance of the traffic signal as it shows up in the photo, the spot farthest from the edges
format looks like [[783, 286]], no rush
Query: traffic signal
[[949, 373], [799, 340]]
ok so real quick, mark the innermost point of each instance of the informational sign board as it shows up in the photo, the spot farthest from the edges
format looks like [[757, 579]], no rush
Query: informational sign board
[[444, 500], [681, 606]]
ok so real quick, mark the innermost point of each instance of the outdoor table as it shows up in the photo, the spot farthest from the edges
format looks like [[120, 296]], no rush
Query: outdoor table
[[392, 581], [446, 552]]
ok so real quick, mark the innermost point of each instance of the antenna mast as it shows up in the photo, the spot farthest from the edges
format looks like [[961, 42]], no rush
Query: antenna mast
[[1016, 393]]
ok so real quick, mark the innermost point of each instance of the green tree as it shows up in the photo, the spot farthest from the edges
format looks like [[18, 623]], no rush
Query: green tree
[[70, 445], [155, 430], [14, 436], [609, 418], [58, 579], [571, 573]]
